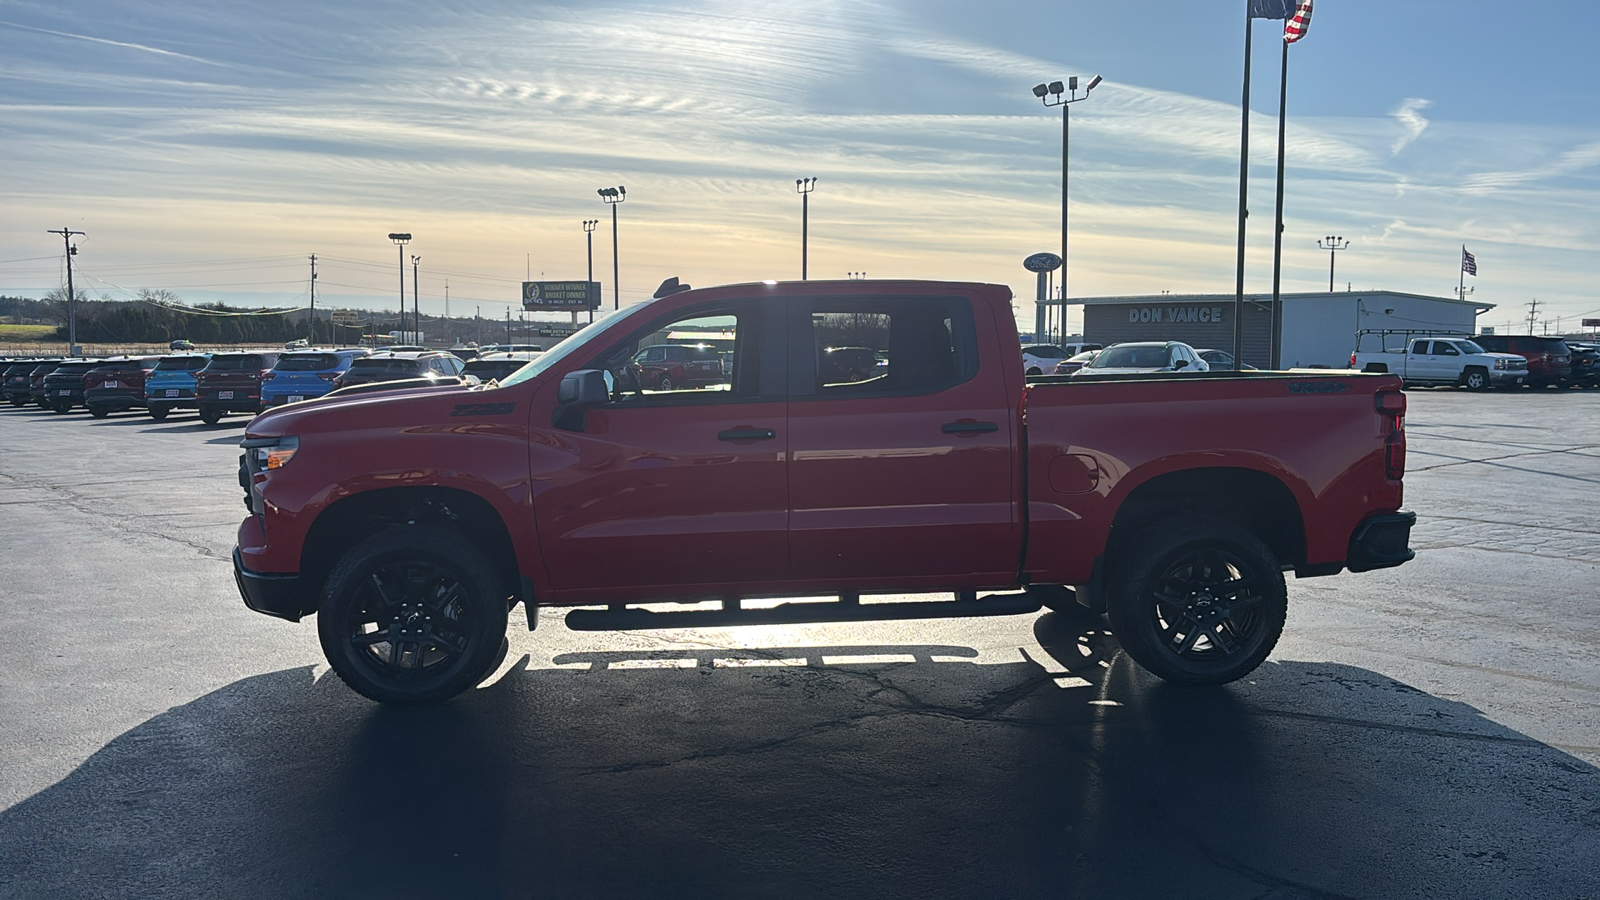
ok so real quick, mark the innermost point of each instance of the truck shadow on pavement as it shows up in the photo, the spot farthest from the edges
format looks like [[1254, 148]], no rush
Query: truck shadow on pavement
[[850, 771]]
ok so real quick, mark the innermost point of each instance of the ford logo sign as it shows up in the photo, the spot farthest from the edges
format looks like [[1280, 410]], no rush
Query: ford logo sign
[[1042, 262]]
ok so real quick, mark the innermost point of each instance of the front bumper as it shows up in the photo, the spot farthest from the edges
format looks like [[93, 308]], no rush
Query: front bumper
[[1382, 541], [1512, 378], [270, 593]]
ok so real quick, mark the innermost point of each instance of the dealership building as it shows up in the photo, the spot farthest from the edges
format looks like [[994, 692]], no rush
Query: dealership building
[[1317, 329]]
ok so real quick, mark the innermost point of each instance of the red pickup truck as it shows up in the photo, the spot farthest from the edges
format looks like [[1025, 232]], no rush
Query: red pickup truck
[[411, 522]]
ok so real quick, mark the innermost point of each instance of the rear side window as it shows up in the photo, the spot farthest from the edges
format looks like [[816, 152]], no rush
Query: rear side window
[[306, 362], [861, 347]]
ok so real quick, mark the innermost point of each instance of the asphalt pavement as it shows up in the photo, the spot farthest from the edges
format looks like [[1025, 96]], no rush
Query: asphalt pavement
[[1431, 731]]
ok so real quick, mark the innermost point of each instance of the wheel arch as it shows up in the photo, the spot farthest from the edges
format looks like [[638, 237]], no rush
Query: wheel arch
[[1258, 500], [354, 518]]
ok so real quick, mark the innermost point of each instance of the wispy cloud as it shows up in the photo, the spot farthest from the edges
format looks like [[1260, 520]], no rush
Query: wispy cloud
[[1409, 115]]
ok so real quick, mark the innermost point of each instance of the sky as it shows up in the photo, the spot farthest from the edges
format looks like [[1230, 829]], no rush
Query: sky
[[210, 149]]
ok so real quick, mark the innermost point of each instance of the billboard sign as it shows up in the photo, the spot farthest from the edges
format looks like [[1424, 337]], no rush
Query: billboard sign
[[1591, 323], [569, 296]]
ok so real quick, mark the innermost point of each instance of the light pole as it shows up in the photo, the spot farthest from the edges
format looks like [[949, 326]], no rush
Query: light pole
[[1052, 95], [1333, 243], [400, 240], [416, 301], [588, 234], [804, 187], [611, 197]]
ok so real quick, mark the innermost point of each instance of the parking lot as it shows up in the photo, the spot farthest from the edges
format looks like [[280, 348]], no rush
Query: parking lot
[[1427, 731]]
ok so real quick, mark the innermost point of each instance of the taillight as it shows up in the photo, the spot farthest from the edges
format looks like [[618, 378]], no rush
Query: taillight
[[268, 376], [1390, 403], [328, 376], [1352, 359], [1394, 455]]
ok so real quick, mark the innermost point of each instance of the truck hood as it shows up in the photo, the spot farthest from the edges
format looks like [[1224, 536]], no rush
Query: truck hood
[[431, 403]]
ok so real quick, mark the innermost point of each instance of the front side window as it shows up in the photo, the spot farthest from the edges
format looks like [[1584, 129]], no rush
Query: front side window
[[702, 354], [1446, 348]]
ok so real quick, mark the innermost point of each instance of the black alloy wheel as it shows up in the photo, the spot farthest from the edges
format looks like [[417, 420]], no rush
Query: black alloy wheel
[[664, 383], [1196, 604], [413, 615]]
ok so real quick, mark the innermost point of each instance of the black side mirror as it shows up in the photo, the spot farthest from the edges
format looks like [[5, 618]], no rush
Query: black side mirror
[[1180, 364], [577, 392]]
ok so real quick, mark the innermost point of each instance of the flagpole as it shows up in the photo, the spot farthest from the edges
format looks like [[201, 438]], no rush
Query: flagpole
[[1277, 237], [1244, 175]]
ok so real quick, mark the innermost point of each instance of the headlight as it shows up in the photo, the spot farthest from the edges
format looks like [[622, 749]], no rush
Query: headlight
[[1502, 363], [266, 454]]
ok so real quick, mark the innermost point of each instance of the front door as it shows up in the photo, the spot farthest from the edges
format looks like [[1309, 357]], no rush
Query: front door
[[677, 493]]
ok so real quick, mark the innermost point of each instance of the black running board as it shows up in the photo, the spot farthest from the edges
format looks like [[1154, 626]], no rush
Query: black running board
[[845, 609]]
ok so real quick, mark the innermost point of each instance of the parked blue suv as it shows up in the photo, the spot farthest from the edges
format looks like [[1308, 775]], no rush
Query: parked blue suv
[[305, 375], [170, 385]]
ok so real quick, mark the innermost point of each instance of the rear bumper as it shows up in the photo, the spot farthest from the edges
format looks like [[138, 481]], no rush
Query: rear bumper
[[113, 400], [270, 593], [1382, 541]]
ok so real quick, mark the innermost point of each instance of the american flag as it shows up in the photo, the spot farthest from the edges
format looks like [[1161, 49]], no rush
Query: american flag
[[1469, 263], [1295, 28]]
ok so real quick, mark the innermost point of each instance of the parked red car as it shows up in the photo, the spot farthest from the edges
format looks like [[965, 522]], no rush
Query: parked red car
[[406, 520], [116, 384], [231, 382], [668, 367], [1549, 359]]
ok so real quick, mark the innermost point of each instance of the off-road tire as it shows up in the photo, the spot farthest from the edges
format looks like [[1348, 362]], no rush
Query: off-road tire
[[1197, 603], [413, 614]]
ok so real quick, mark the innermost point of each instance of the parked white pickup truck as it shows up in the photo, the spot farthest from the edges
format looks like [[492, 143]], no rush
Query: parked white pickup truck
[[1443, 360]]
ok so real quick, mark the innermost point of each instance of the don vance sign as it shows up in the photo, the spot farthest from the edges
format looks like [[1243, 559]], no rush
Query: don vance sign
[[1152, 314]]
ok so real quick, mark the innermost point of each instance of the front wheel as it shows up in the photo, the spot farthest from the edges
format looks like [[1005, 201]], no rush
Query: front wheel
[[1198, 604], [664, 383], [413, 615], [1476, 380]]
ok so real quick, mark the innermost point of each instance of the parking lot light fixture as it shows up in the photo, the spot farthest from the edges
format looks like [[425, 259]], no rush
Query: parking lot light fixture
[[401, 239], [804, 187], [1060, 94], [1333, 243], [611, 197]]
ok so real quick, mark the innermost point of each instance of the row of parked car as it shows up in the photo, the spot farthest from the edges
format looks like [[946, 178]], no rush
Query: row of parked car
[[247, 381], [1136, 357], [1479, 362]]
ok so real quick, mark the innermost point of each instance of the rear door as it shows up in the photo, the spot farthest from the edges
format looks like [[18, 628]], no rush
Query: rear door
[[901, 476]]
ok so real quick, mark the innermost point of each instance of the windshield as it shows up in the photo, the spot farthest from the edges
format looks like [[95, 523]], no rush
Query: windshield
[[571, 345], [1131, 358], [182, 363], [306, 362], [240, 363], [389, 366]]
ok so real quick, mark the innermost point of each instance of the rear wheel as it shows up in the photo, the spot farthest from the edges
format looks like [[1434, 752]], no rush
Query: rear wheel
[[1198, 604], [60, 408], [664, 383], [158, 411], [210, 415], [413, 615]]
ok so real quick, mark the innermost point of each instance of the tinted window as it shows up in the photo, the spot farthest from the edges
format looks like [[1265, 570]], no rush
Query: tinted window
[[74, 368], [240, 363], [677, 371], [121, 365], [1445, 348], [907, 346], [385, 366], [1469, 347], [1046, 351], [493, 369], [182, 363], [1420, 348], [306, 362]]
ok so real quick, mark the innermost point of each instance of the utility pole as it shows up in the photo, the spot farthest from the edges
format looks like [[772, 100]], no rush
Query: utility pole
[[508, 325], [72, 296], [313, 329], [1533, 313]]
